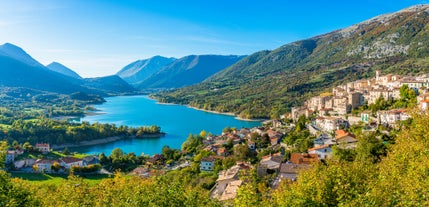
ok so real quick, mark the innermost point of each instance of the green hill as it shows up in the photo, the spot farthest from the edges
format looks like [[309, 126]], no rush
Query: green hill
[[268, 83]]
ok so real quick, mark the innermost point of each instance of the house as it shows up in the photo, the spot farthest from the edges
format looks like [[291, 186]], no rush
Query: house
[[252, 145], [207, 164], [231, 190], [24, 163], [323, 152], [323, 139], [275, 137], [331, 123], [10, 156], [91, 160], [43, 147], [289, 171], [269, 164], [157, 159], [68, 162], [298, 112], [222, 151], [424, 105], [227, 181], [345, 139], [303, 158], [390, 118], [43, 165], [140, 171]]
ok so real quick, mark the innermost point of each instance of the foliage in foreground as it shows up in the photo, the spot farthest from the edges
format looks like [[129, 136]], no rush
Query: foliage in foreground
[[400, 179]]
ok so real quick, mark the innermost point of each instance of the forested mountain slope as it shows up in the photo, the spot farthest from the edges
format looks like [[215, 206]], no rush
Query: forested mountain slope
[[268, 83]]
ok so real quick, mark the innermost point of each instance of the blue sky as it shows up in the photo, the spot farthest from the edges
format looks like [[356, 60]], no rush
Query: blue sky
[[99, 37]]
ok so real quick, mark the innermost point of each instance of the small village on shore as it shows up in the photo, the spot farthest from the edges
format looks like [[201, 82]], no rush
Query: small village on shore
[[270, 150]]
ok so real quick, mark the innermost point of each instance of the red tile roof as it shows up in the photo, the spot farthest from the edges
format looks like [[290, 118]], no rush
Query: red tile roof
[[69, 160], [303, 158]]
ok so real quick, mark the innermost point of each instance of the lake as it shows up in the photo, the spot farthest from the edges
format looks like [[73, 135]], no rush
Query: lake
[[176, 120]]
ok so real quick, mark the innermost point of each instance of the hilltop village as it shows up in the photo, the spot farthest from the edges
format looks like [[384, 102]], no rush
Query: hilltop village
[[326, 126]]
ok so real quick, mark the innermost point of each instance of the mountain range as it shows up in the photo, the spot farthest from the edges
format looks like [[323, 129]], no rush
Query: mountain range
[[187, 71], [165, 73], [20, 70], [140, 70], [267, 83]]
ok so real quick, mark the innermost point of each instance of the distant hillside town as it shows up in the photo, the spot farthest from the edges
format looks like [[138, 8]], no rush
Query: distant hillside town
[[345, 98]]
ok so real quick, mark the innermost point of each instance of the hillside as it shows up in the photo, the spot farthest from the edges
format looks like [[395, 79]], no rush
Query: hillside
[[188, 70], [268, 83], [59, 68], [20, 70], [110, 85], [14, 73], [140, 70]]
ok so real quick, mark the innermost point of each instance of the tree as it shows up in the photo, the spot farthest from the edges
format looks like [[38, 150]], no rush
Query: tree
[[241, 152], [116, 153], [103, 159], [12, 194], [66, 151], [203, 134], [3, 149], [56, 166]]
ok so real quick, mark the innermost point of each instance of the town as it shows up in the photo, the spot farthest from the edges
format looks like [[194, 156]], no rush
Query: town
[[278, 150]]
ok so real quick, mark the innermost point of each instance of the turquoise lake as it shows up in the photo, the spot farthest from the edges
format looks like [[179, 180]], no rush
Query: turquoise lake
[[176, 120]]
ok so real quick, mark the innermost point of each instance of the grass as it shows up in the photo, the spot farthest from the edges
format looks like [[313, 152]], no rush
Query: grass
[[56, 179], [5, 126], [50, 155]]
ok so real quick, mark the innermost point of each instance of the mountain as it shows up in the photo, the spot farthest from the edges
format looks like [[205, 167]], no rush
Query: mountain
[[59, 68], [140, 70], [17, 53], [20, 70], [188, 70], [109, 84], [268, 83]]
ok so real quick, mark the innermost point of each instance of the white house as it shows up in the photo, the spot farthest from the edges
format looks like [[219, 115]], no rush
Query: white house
[[43, 147], [44, 165], [68, 162], [392, 117], [424, 104], [207, 164], [323, 152], [331, 123]]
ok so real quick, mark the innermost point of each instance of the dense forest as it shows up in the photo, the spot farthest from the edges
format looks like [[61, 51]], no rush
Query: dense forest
[[44, 130]]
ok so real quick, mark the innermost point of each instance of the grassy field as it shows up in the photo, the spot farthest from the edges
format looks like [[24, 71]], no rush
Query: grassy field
[[56, 179], [50, 155]]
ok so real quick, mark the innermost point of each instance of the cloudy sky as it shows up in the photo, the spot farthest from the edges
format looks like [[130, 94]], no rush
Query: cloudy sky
[[99, 37]]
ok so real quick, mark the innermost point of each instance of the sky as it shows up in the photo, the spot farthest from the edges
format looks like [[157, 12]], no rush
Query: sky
[[99, 37]]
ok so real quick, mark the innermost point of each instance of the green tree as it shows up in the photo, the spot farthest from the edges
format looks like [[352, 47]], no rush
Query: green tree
[[66, 151], [11, 194], [116, 153]]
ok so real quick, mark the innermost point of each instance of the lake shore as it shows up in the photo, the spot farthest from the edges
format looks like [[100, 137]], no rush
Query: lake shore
[[104, 141], [226, 113], [209, 111], [88, 143]]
